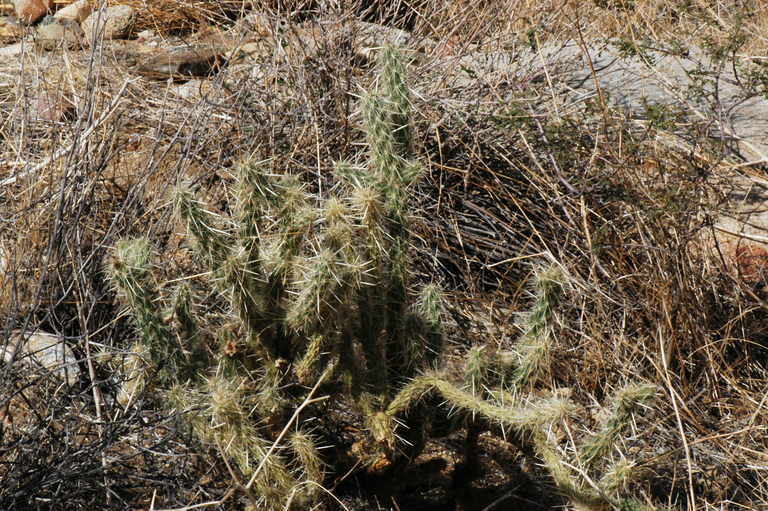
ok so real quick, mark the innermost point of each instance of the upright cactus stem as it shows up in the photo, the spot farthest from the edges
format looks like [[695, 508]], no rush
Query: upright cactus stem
[[306, 284], [393, 85], [535, 345], [129, 269], [212, 242], [625, 403]]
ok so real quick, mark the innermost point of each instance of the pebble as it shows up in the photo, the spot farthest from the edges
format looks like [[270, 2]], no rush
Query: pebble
[[76, 11]]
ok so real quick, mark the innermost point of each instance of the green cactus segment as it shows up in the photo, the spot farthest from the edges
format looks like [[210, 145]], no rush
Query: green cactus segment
[[130, 273], [393, 82], [568, 483], [626, 403], [309, 465], [211, 241], [617, 476], [526, 418], [534, 348]]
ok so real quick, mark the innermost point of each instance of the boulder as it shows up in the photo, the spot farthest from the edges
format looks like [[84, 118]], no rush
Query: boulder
[[41, 350], [60, 33], [116, 22], [77, 11], [29, 11]]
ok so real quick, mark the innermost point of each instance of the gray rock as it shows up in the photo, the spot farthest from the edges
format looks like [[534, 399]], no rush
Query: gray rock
[[687, 84], [76, 11], [61, 33], [41, 350], [115, 22]]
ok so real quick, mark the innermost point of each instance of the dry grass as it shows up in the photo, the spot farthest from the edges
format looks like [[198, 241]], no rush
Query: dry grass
[[653, 294]]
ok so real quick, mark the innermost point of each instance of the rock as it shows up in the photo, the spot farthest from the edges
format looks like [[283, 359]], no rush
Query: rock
[[194, 89], [77, 11], [52, 105], [686, 83], [751, 263], [41, 350], [13, 50], [60, 33], [29, 11], [10, 30], [115, 22], [148, 37]]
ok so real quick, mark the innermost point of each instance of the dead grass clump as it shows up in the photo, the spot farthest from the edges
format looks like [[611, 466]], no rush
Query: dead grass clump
[[169, 17], [629, 216]]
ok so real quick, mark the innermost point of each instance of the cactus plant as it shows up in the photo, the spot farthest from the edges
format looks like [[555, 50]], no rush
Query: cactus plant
[[493, 395], [313, 287]]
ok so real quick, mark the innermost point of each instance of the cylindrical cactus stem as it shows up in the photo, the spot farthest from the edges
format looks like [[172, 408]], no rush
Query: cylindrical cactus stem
[[393, 88], [386, 159], [254, 198], [534, 348], [398, 341], [244, 293], [371, 216], [617, 476], [129, 270], [304, 447], [625, 403], [212, 242], [526, 417], [475, 370], [306, 369], [185, 323], [431, 309], [565, 479]]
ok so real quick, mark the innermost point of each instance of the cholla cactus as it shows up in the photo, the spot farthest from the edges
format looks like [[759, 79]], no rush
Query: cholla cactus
[[493, 394], [317, 287]]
